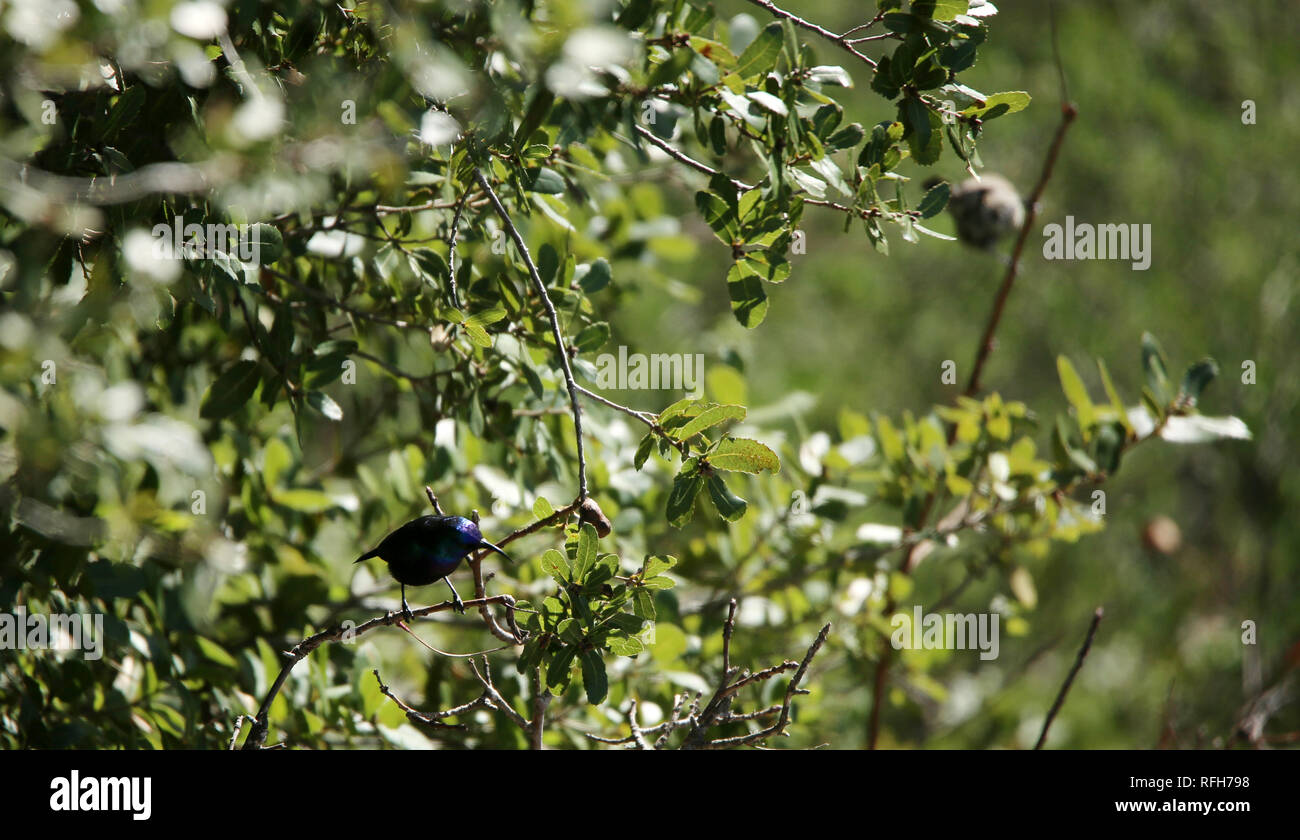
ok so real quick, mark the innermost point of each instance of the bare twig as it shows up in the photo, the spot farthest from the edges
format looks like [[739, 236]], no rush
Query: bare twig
[[495, 700], [838, 40], [434, 719], [1069, 680], [1068, 114], [341, 632], [683, 158], [717, 712]]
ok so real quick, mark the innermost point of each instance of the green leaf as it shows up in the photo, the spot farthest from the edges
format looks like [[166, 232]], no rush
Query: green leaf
[[707, 419], [940, 9], [1116, 404], [542, 508], [321, 401], [681, 499], [304, 501], [748, 297], [730, 506], [585, 558], [429, 266], [216, 652], [760, 56], [276, 460], [557, 672], [597, 276], [1153, 364], [1076, 393], [658, 564], [592, 337], [554, 564], [846, 138], [487, 317], [625, 645], [1108, 447], [230, 391], [546, 181], [643, 604], [999, 104], [743, 455], [719, 215], [1197, 377], [593, 677], [643, 450], [659, 582], [934, 200]]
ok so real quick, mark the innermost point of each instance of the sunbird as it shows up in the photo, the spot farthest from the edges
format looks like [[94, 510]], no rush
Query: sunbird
[[429, 549]]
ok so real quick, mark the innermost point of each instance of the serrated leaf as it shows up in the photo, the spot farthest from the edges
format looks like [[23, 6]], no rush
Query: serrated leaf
[[658, 564], [744, 455], [933, 202], [707, 419], [761, 54]]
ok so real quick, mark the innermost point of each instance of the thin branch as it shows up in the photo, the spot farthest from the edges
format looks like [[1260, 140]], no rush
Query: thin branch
[[496, 701], [1069, 680], [561, 347], [682, 157], [838, 40], [341, 632], [433, 719], [1068, 114]]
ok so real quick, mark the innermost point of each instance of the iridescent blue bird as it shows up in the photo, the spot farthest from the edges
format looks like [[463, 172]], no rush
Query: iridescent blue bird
[[429, 549]]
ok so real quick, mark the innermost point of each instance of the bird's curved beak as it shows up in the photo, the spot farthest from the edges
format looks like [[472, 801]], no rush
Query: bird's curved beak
[[490, 546]]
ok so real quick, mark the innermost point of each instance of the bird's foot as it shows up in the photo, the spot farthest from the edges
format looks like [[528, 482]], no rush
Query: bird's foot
[[458, 605], [406, 611]]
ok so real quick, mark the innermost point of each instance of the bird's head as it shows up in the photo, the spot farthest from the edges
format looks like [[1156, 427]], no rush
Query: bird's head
[[472, 538]]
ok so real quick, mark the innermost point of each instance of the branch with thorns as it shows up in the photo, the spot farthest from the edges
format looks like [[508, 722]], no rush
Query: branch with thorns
[[699, 721]]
